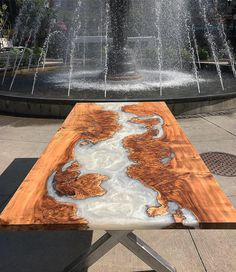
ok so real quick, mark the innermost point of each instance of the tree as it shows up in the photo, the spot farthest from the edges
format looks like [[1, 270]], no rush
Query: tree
[[3, 16]]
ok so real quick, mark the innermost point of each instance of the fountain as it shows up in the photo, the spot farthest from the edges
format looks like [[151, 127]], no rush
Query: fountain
[[120, 63], [126, 50]]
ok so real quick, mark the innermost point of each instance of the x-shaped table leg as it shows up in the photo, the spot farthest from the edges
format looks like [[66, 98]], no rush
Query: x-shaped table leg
[[130, 241]]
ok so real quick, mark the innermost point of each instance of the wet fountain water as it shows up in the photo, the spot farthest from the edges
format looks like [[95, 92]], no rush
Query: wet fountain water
[[158, 10], [75, 31], [211, 41], [196, 46], [106, 47], [17, 66], [191, 49], [130, 46], [43, 55]]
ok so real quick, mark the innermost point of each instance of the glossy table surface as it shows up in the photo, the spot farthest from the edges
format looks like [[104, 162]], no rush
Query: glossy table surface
[[119, 166]]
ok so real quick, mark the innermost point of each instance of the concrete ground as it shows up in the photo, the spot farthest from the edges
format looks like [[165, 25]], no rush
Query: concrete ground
[[23, 139]]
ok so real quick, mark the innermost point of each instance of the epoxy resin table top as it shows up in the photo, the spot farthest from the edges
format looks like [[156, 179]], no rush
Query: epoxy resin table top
[[119, 166]]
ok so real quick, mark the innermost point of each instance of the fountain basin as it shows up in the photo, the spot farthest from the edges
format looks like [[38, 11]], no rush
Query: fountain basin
[[179, 91], [120, 50]]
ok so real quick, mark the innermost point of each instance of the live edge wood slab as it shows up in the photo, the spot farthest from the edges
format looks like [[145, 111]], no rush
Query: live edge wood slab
[[119, 166]]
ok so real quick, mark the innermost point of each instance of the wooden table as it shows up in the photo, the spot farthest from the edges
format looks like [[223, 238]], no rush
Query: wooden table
[[119, 167]]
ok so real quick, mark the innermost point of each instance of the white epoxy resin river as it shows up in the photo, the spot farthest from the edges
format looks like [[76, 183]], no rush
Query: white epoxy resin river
[[126, 201]]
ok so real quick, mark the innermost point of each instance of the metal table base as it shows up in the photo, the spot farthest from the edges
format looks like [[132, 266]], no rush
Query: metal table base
[[130, 241]]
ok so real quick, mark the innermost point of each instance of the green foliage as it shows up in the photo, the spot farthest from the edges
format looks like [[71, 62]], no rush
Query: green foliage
[[15, 52], [19, 3], [151, 56], [3, 12], [29, 54], [37, 52], [3, 16], [203, 54], [222, 54], [2, 63], [186, 55], [31, 21], [33, 54]]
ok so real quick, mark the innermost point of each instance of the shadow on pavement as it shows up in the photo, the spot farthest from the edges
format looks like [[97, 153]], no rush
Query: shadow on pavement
[[14, 174]]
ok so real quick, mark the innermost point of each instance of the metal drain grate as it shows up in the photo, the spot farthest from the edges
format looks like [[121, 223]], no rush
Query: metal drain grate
[[219, 163]]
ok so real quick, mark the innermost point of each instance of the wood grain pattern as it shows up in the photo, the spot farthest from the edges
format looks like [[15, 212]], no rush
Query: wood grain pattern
[[71, 183], [31, 207], [170, 166], [185, 179]]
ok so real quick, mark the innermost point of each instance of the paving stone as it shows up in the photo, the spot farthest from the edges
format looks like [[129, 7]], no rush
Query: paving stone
[[10, 150], [176, 246], [32, 130], [227, 184], [198, 129], [227, 122], [227, 146], [217, 249], [233, 200], [7, 120]]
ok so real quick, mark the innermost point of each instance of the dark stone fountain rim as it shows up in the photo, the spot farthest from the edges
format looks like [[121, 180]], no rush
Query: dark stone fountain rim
[[44, 107], [71, 101]]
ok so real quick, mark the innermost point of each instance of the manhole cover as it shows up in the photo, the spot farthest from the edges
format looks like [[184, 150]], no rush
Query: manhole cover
[[219, 163]]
